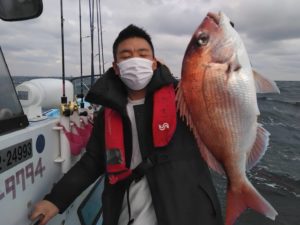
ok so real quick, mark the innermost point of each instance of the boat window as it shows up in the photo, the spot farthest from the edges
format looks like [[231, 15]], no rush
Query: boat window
[[90, 210], [11, 113]]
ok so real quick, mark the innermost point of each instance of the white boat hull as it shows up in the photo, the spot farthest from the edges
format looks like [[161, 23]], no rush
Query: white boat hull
[[28, 182]]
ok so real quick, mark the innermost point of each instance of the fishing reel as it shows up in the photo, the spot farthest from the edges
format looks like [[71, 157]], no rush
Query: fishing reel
[[68, 108]]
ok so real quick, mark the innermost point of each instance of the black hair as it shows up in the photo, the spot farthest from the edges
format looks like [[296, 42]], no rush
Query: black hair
[[130, 32]]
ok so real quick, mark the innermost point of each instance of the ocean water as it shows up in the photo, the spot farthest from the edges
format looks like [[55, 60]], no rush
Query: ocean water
[[277, 175], [280, 114]]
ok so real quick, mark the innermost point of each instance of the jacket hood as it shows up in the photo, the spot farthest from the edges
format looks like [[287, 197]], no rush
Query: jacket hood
[[110, 91]]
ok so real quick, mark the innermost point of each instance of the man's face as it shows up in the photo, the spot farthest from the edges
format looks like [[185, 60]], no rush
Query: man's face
[[133, 47]]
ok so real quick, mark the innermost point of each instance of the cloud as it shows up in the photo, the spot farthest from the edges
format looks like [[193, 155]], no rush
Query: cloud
[[271, 33]]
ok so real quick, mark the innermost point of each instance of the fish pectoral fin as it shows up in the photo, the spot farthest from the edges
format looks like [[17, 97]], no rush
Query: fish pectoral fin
[[259, 148], [264, 85], [234, 64]]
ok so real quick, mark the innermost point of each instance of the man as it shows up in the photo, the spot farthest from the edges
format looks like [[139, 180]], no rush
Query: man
[[154, 174]]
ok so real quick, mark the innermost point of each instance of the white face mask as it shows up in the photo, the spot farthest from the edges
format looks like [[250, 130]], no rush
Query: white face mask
[[136, 72]]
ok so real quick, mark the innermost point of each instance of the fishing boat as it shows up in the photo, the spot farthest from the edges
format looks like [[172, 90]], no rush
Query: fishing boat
[[43, 132]]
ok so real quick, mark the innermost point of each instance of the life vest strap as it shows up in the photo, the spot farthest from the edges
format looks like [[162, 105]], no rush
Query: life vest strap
[[147, 164]]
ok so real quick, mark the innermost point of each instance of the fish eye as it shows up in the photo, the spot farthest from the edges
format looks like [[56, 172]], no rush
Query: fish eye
[[202, 39]]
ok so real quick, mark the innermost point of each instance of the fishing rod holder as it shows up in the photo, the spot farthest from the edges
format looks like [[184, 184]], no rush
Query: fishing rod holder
[[67, 109]]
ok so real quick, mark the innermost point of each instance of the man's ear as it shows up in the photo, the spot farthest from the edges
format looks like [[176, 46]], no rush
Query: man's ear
[[116, 68], [154, 65]]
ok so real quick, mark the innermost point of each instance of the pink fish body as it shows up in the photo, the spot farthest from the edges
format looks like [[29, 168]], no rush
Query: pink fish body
[[217, 97]]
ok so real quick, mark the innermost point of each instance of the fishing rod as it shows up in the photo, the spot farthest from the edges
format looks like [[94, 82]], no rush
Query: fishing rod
[[91, 8], [81, 75], [64, 99], [99, 56], [100, 20]]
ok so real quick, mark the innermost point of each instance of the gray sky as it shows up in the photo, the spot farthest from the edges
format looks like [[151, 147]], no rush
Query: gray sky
[[270, 30]]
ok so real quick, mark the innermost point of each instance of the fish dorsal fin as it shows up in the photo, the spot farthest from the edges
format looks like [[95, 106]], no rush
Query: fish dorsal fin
[[259, 148], [264, 85], [205, 153], [182, 106]]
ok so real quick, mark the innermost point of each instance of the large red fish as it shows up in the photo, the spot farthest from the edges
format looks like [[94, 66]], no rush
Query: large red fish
[[217, 97]]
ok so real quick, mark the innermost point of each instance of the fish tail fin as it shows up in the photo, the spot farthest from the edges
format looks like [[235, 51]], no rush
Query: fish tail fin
[[247, 196]]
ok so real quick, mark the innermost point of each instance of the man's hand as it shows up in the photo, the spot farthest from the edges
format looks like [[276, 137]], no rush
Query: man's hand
[[43, 211]]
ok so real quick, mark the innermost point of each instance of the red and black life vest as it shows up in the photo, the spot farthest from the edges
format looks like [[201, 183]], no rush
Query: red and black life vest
[[163, 128]]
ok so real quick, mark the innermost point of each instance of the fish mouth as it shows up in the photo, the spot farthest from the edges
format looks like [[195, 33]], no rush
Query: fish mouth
[[216, 17]]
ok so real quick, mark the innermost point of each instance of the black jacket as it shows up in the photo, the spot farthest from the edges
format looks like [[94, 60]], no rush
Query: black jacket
[[181, 188]]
